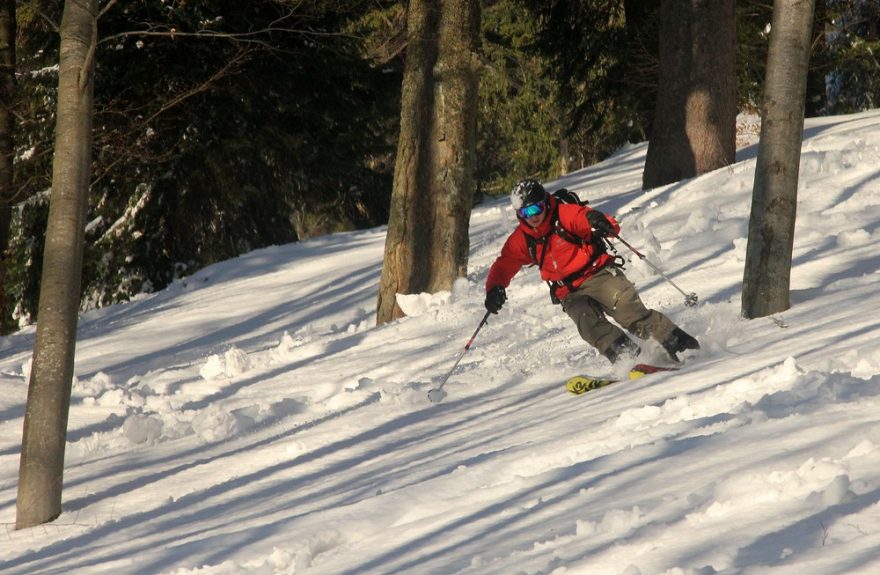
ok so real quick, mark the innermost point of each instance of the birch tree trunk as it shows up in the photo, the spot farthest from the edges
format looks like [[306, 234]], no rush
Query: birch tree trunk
[[41, 468]]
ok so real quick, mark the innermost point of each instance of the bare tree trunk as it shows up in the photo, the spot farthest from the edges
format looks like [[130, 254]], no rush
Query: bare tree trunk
[[454, 141], [767, 274], [427, 243], [7, 141], [564, 156], [694, 128], [409, 200], [45, 425]]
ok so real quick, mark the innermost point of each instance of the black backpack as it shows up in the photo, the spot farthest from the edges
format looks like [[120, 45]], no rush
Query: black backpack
[[566, 196]]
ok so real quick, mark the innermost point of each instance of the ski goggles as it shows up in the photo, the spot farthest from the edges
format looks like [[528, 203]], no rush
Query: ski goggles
[[531, 210]]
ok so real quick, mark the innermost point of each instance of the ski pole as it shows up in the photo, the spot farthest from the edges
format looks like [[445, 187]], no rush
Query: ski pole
[[438, 394], [690, 299]]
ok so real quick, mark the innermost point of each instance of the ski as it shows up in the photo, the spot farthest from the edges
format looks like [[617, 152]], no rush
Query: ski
[[583, 383], [580, 384], [643, 369]]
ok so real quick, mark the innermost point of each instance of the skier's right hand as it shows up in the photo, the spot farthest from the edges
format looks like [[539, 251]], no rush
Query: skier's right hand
[[495, 299]]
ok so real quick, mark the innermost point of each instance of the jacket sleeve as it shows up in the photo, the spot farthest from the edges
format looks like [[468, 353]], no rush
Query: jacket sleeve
[[514, 255]]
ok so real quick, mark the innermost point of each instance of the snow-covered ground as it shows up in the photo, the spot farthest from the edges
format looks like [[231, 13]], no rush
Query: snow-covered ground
[[252, 419]]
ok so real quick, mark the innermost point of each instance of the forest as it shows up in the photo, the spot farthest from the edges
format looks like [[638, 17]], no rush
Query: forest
[[220, 127]]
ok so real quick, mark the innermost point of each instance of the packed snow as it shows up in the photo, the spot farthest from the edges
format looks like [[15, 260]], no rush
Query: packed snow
[[252, 418]]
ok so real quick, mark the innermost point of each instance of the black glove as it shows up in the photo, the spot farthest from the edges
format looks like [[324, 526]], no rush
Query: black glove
[[495, 299], [600, 223]]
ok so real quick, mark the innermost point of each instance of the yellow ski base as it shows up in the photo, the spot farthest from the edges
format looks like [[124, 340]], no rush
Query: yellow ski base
[[583, 383]]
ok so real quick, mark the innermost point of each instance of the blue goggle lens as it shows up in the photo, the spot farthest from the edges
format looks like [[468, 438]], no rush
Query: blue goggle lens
[[531, 210]]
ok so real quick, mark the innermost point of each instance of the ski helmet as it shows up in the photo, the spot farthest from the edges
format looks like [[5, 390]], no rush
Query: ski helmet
[[527, 192]]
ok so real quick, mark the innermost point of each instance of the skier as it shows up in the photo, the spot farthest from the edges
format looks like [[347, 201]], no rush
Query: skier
[[566, 242]]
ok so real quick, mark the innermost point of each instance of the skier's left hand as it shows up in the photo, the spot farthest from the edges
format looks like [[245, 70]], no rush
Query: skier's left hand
[[602, 224]]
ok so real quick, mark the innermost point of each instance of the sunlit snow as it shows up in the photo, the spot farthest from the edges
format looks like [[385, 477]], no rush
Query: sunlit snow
[[252, 419]]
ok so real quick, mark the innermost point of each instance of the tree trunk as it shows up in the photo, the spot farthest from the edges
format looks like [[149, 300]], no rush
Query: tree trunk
[[694, 127], [767, 272], [427, 243], [45, 424], [7, 141]]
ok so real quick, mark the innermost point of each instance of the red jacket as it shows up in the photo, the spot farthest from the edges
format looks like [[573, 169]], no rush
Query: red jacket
[[563, 259]]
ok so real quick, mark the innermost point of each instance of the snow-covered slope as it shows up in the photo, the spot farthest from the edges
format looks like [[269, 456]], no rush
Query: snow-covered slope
[[252, 419]]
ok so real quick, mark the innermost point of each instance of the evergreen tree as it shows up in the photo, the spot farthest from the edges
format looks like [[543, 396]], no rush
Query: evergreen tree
[[853, 35], [7, 151], [221, 127], [605, 70], [37, 44], [752, 28], [520, 115]]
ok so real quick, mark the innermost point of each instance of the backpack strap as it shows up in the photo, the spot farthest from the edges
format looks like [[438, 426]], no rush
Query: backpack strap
[[600, 246], [532, 245], [532, 242]]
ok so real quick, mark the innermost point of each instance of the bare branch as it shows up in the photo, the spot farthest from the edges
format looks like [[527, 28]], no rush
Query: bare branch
[[226, 70], [106, 7], [251, 36], [89, 62]]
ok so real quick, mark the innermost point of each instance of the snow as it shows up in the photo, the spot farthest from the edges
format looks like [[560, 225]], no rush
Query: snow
[[252, 419]]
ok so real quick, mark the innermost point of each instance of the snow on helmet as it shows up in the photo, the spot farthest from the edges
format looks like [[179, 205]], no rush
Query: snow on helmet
[[527, 192]]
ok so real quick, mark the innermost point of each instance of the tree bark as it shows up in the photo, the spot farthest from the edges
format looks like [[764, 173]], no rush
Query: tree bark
[[767, 274], [45, 424], [694, 127], [426, 248]]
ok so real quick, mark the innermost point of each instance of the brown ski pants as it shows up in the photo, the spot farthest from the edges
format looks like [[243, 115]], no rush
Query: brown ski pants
[[610, 293]]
